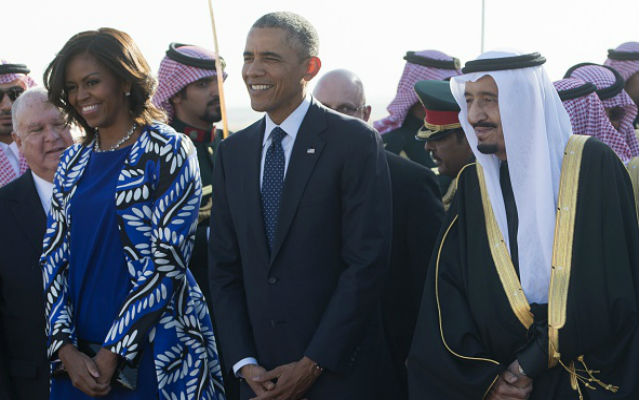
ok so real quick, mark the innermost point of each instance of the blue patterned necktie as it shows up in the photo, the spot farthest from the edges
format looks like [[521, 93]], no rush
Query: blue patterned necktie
[[272, 183]]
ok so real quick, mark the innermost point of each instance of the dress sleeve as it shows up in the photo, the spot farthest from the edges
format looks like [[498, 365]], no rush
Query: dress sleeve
[[162, 282], [55, 265]]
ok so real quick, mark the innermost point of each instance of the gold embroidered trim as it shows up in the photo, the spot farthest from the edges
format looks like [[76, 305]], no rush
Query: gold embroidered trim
[[438, 128], [502, 259], [460, 173], [444, 237], [563, 242], [207, 190], [490, 386]]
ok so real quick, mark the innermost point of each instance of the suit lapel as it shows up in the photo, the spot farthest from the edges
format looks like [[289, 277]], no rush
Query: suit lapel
[[251, 187], [305, 154], [28, 211]]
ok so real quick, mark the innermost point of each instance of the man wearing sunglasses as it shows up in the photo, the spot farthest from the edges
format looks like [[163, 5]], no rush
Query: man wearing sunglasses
[[13, 81]]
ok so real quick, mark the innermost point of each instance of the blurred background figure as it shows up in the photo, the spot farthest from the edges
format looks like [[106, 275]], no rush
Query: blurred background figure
[[624, 59], [14, 80], [620, 109], [405, 112]]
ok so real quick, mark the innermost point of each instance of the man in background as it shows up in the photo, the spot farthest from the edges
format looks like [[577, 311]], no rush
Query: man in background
[[442, 133], [405, 117], [417, 215], [14, 80], [41, 134]]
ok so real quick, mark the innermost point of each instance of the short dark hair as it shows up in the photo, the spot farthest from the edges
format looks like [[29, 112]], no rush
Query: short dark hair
[[119, 54], [300, 32], [460, 136]]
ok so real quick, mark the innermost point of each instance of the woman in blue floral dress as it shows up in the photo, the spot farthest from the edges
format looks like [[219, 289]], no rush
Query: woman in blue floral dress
[[119, 237]]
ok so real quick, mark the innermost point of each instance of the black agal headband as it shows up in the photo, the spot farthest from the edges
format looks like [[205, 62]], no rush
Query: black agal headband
[[604, 93], [174, 54], [580, 91], [412, 58], [499, 64], [623, 55], [14, 69]]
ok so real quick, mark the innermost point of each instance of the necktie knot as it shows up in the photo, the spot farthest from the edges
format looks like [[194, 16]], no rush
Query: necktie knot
[[277, 134]]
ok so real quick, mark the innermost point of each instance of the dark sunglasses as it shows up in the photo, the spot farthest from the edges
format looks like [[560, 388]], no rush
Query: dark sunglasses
[[13, 93]]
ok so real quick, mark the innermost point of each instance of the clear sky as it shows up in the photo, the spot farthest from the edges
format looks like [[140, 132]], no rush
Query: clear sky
[[367, 37]]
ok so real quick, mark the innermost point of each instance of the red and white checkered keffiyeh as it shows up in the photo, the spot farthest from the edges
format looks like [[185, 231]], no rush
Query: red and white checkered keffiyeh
[[626, 68], [603, 78], [173, 76], [406, 96], [7, 173], [588, 117], [8, 78]]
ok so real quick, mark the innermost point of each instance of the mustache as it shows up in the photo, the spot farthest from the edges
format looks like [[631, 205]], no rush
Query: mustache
[[5, 113], [484, 125], [214, 101]]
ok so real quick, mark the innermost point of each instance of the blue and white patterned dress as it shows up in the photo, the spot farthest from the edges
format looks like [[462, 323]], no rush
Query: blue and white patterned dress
[[157, 197]]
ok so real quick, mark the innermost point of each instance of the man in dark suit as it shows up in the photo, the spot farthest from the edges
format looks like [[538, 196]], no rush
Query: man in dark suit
[[40, 131], [417, 216], [300, 232]]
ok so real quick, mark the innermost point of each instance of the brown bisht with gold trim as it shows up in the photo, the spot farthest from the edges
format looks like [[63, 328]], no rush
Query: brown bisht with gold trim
[[475, 320]]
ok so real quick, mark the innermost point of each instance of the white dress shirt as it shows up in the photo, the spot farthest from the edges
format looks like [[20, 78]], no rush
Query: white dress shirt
[[291, 126], [13, 155], [45, 192]]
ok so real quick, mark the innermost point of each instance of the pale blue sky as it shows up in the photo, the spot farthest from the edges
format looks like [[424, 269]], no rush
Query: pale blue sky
[[367, 37]]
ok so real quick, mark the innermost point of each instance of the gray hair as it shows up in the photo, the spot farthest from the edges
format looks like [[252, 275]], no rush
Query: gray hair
[[300, 32], [34, 93]]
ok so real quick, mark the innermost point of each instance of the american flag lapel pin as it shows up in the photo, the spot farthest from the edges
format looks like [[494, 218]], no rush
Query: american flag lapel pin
[[311, 151]]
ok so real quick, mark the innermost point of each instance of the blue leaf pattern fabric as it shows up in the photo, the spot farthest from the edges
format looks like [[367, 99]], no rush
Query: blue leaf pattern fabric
[[157, 201]]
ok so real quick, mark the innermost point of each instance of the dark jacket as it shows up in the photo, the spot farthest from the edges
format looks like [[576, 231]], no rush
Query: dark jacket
[[318, 292], [24, 369]]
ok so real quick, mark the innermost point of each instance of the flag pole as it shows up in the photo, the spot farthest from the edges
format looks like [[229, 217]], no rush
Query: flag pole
[[220, 76], [481, 28]]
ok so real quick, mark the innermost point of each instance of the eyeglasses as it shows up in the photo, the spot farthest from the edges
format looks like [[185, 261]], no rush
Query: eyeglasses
[[13, 92], [348, 109]]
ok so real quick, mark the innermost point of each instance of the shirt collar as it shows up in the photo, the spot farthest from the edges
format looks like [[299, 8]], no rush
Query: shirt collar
[[291, 125], [45, 191], [12, 146]]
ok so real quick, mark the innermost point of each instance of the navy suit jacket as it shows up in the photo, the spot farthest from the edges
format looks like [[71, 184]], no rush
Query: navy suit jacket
[[24, 369], [318, 292]]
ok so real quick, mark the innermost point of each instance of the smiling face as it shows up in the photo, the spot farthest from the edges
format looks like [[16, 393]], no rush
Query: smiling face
[[275, 75], [95, 93], [483, 114], [42, 135]]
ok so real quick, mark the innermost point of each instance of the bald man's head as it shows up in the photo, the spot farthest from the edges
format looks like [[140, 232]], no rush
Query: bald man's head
[[342, 91]]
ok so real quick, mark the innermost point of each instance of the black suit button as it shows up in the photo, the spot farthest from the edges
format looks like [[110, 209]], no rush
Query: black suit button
[[272, 280]]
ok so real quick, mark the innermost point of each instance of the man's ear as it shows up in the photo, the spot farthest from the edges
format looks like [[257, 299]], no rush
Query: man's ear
[[366, 113], [16, 139], [176, 99], [313, 67]]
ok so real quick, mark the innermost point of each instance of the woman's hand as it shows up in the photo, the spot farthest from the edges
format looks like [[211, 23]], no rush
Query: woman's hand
[[82, 370], [107, 362]]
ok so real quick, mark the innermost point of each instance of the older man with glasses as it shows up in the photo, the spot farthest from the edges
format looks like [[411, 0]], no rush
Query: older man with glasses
[[13, 81], [417, 216]]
